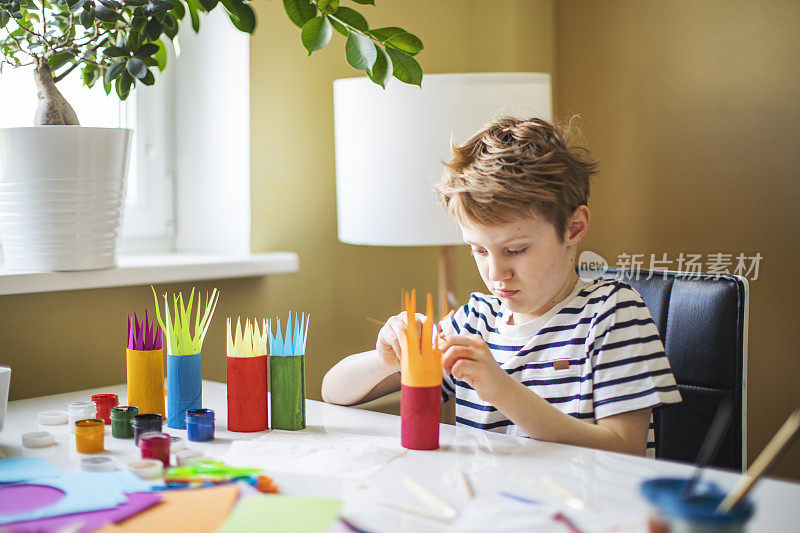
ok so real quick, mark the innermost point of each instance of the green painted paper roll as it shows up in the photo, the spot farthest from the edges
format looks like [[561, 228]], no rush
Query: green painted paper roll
[[287, 392]]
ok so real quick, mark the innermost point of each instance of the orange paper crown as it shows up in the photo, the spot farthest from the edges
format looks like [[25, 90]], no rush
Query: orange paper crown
[[421, 361]]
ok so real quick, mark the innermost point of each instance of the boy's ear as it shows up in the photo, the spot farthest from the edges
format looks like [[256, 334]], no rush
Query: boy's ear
[[578, 225]]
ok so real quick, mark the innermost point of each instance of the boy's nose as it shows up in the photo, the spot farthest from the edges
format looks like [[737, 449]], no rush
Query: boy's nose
[[498, 270]]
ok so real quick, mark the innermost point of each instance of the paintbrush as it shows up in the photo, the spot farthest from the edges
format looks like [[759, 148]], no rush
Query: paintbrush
[[711, 443], [765, 460]]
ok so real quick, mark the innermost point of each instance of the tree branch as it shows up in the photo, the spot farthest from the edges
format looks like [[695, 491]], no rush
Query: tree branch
[[79, 61]]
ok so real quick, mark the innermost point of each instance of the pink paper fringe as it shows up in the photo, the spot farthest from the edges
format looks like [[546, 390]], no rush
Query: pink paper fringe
[[144, 335]]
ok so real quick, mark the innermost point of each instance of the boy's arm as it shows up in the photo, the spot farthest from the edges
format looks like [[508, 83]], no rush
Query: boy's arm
[[359, 378], [624, 432], [468, 358]]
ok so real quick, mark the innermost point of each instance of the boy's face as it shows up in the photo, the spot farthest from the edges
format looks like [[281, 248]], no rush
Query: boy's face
[[525, 263]]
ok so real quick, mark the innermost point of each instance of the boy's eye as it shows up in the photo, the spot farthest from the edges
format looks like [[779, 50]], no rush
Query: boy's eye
[[516, 252], [478, 251]]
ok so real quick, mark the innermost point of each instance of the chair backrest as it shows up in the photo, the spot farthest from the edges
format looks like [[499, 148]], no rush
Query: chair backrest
[[702, 319]]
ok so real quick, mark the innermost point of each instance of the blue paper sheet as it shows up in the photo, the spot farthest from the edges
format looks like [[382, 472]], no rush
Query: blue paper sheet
[[15, 469], [83, 491]]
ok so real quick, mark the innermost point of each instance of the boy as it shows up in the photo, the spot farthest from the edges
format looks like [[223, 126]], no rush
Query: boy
[[546, 355]]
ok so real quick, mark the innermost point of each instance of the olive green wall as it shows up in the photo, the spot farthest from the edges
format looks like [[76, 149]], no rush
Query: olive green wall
[[693, 110]]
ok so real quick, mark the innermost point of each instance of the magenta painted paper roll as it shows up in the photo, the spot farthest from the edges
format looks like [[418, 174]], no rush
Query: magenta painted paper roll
[[419, 417]]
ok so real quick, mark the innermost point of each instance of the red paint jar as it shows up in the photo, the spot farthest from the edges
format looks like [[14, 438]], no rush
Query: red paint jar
[[155, 446], [105, 403]]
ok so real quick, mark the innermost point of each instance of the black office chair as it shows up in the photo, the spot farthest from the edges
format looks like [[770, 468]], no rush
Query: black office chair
[[703, 323]]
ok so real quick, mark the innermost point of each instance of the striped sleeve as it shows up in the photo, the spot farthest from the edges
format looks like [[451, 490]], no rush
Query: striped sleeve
[[456, 324], [631, 370]]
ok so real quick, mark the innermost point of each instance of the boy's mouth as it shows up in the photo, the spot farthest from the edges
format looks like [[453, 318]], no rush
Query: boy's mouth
[[505, 293]]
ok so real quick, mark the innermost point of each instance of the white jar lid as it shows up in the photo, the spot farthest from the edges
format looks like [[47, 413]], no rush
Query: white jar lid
[[38, 439], [52, 417], [98, 463], [147, 468], [176, 444], [189, 457]]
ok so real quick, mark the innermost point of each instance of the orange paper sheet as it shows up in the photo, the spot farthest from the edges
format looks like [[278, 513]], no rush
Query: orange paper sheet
[[146, 380], [183, 511], [421, 361]]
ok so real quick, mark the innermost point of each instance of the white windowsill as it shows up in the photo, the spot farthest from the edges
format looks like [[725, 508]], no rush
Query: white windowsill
[[156, 268]]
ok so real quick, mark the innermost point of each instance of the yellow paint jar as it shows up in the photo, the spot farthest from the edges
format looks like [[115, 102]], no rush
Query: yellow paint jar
[[89, 435]]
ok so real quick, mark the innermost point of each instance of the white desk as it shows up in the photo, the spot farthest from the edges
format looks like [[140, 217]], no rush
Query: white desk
[[606, 480]]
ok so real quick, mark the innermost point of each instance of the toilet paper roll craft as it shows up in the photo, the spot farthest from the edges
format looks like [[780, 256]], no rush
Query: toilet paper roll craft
[[145, 365], [247, 377], [287, 373]]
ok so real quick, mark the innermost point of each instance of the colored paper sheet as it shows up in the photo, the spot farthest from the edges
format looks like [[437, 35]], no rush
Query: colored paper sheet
[[15, 469], [252, 343], [184, 387], [282, 513], [247, 393], [180, 339], [288, 392], [142, 335], [146, 380], [315, 452], [86, 491], [421, 359], [293, 343], [183, 511], [89, 521]]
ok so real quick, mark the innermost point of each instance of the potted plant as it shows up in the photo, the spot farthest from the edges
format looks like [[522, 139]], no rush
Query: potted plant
[[61, 185]]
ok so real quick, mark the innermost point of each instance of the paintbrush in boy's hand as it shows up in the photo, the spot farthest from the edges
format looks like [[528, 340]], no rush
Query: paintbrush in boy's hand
[[710, 447]]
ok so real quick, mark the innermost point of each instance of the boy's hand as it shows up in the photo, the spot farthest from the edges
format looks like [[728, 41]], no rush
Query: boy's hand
[[388, 343], [468, 358]]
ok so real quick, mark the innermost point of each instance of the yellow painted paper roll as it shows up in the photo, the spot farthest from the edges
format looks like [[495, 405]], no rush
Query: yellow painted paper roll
[[421, 359], [146, 380]]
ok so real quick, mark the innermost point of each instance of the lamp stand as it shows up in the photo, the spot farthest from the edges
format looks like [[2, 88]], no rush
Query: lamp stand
[[446, 277]]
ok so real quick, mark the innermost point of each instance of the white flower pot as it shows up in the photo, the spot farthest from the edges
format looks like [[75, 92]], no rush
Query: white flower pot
[[62, 189]]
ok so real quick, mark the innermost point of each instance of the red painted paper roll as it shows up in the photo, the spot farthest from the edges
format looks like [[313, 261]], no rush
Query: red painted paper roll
[[247, 393], [419, 417]]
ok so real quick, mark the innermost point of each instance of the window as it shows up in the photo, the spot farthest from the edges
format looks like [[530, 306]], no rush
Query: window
[[148, 222]]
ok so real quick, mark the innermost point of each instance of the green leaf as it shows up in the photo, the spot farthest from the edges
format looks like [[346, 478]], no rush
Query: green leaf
[[179, 10], [77, 6], [157, 6], [113, 71], [136, 67], [365, 2], [405, 68], [137, 2], [104, 14], [90, 75], [316, 33], [149, 79], [4, 18], [114, 51], [170, 25], [352, 18], [383, 34], [146, 50], [161, 55], [138, 23], [193, 7], [328, 6], [153, 29], [87, 17], [134, 40], [360, 51], [107, 87], [209, 4], [406, 42], [381, 71], [299, 11], [59, 60], [124, 85], [243, 18]]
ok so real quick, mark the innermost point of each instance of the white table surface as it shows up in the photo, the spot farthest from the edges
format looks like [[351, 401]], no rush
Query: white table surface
[[607, 481]]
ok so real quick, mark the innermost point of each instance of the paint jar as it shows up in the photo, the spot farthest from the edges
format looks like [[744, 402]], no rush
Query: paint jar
[[89, 435], [121, 419], [673, 512], [200, 425], [80, 411], [104, 403], [146, 423], [155, 446]]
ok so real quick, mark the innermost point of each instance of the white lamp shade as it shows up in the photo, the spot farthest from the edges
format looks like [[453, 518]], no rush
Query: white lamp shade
[[390, 145]]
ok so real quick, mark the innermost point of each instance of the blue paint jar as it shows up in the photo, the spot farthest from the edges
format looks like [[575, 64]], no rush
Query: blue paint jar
[[200, 425]]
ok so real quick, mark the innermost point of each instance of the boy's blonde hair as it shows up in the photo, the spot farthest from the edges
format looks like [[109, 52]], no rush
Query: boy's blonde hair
[[513, 168]]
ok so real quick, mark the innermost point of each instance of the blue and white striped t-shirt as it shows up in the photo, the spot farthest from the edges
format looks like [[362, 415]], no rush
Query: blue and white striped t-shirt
[[595, 354]]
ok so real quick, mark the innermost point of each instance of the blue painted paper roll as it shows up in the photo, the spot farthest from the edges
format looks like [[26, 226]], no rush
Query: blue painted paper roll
[[184, 387]]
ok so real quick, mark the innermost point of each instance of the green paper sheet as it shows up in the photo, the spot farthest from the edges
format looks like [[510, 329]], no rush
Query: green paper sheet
[[282, 513]]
